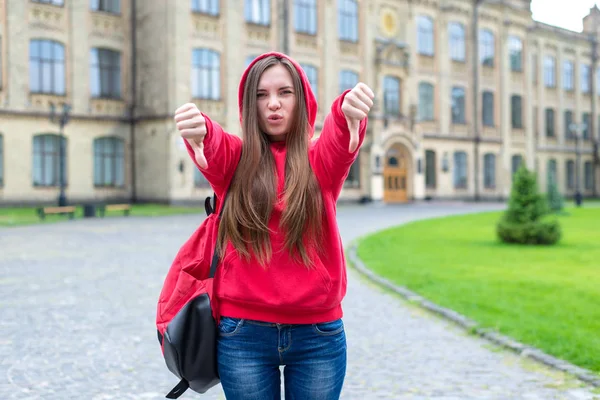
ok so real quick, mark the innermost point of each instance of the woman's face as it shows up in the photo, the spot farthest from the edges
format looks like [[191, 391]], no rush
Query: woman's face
[[276, 102]]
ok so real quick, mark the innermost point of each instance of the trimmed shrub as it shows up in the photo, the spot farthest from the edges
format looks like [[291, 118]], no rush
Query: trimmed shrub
[[526, 221]]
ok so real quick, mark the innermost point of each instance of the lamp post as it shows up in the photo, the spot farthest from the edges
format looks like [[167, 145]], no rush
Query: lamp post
[[576, 130], [61, 120]]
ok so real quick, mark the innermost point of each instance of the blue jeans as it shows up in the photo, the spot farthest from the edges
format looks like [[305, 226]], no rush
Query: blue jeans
[[249, 354]]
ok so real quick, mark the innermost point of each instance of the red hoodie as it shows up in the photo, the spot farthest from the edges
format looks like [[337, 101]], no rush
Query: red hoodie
[[285, 291]]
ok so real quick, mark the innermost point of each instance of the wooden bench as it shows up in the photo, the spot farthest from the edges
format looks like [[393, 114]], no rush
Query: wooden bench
[[43, 211], [126, 208]]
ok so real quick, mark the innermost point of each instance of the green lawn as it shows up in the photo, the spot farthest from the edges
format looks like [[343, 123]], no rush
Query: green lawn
[[548, 297], [15, 216]]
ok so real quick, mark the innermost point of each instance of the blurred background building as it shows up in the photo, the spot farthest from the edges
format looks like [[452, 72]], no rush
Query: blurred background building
[[466, 91]]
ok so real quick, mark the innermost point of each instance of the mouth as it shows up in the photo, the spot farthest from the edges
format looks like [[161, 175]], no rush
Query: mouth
[[275, 119]]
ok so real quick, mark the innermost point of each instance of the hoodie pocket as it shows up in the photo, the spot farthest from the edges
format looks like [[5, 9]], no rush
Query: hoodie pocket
[[281, 285]]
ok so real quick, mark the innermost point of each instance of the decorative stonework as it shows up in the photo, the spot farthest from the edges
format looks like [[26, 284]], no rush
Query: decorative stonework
[[214, 108], [108, 107], [388, 25], [454, 10], [205, 26], [47, 16], [107, 25], [488, 72], [517, 80], [306, 41], [258, 33], [348, 48], [427, 3], [459, 69], [392, 54], [491, 132], [41, 102], [426, 62]]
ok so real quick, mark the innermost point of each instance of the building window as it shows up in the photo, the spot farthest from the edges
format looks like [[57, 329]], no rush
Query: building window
[[1, 160], [585, 78], [516, 111], [46, 160], [570, 174], [312, 75], [456, 32], [425, 36], [458, 105], [486, 47], [585, 119], [206, 74], [568, 122], [305, 16], [391, 95], [249, 60], [109, 6], [53, 2], [589, 174], [430, 169], [534, 69], [550, 132], [348, 20], [549, 72], [488, 109], [516, 162], [210, 7], [353, 178], [46, 67], [258, 12], [460, 170], [425, 101], [109, 162], [552, 173], [105, 73], [515, 48], [348, 79], [200, 180], [568, 76], [489, 171]]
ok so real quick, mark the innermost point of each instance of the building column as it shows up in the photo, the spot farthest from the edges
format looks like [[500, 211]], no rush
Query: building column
[[235, 28], [530, 152], [505, 113]]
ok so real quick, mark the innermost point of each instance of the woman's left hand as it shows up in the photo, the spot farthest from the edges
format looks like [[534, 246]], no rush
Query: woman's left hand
[[355, 107]]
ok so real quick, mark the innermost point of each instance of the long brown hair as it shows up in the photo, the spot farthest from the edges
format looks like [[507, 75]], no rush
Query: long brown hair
[[253, 190]]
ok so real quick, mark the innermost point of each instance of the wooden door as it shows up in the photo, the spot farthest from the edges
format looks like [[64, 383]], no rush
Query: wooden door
[[395, 178]]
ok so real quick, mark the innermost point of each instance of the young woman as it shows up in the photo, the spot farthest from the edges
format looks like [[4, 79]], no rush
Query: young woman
[[282, 275]]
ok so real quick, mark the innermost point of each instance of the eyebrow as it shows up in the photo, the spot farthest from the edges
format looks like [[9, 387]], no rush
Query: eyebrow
[[281, 88]]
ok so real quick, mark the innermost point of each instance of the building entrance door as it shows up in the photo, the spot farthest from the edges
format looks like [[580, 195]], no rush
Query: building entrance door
[[395, 175]]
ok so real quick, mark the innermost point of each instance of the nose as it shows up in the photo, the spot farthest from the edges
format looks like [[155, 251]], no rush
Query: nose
[[274, 103]]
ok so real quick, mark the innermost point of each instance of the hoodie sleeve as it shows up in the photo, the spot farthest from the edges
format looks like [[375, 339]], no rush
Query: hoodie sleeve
[[222, 151], [331, 159]]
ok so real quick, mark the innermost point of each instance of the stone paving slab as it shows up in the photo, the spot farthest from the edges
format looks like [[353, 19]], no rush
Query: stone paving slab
[[78, 298]]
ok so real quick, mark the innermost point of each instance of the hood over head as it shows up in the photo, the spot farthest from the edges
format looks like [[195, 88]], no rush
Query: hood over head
[[311, 101]]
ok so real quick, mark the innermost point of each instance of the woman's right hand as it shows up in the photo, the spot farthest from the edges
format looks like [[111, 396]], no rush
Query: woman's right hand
[[192, 127]]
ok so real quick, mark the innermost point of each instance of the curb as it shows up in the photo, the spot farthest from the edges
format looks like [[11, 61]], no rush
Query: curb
[[472, 326]]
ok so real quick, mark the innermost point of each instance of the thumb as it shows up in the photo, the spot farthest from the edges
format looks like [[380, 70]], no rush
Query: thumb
[[198, 148], [353, 126]]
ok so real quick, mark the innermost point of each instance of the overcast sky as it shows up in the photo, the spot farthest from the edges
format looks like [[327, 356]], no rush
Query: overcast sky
[[564, 13]]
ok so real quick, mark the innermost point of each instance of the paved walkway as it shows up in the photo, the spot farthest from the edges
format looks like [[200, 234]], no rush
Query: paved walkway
[[77, 301]]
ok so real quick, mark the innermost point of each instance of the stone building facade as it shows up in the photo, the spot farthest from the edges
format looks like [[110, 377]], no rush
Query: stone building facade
[[124, 66]]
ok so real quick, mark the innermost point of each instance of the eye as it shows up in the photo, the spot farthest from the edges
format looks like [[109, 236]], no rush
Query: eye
[[262, 94], [287, 91]]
